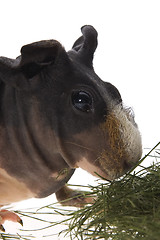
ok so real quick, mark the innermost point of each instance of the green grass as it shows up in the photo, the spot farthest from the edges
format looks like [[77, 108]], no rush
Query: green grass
[[128, 208], [123, 209]]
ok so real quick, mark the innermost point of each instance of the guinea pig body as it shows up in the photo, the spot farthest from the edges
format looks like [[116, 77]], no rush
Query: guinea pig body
[[57, 115]]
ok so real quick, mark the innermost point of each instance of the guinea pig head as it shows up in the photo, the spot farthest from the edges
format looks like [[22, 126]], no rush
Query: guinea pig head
[[61, 95], [98, 134]]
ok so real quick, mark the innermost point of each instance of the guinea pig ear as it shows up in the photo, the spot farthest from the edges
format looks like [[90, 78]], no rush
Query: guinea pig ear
[[34, 58], [86, 45]]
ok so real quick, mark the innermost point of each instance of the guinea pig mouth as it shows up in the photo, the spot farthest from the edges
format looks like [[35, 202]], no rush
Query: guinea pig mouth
[[112, 173]]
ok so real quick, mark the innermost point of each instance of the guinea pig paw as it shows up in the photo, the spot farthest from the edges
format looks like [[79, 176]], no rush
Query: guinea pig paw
[[82, 199], [68, 197], [10, 216]]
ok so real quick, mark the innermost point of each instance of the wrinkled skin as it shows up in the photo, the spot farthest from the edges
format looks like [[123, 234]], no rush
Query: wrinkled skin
[[57, 115]]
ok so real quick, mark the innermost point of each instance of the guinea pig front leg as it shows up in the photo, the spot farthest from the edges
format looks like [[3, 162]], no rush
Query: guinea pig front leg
[[69, 197]]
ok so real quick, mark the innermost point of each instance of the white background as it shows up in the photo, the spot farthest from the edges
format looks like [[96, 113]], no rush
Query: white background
[[128, 54]]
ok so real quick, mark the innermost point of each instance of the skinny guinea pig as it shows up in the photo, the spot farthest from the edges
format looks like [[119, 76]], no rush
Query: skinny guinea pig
[[58, 115]]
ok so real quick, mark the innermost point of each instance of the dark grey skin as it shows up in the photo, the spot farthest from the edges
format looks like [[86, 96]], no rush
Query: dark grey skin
[[57, 115]]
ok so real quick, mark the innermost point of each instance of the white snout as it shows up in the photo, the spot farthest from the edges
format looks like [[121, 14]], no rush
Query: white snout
[[122, 146]]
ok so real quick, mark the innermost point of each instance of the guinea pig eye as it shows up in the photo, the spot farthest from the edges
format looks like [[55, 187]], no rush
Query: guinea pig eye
[[82, 101]]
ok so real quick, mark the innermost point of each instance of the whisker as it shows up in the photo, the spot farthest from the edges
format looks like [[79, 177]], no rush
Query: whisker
[[81, 146]]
